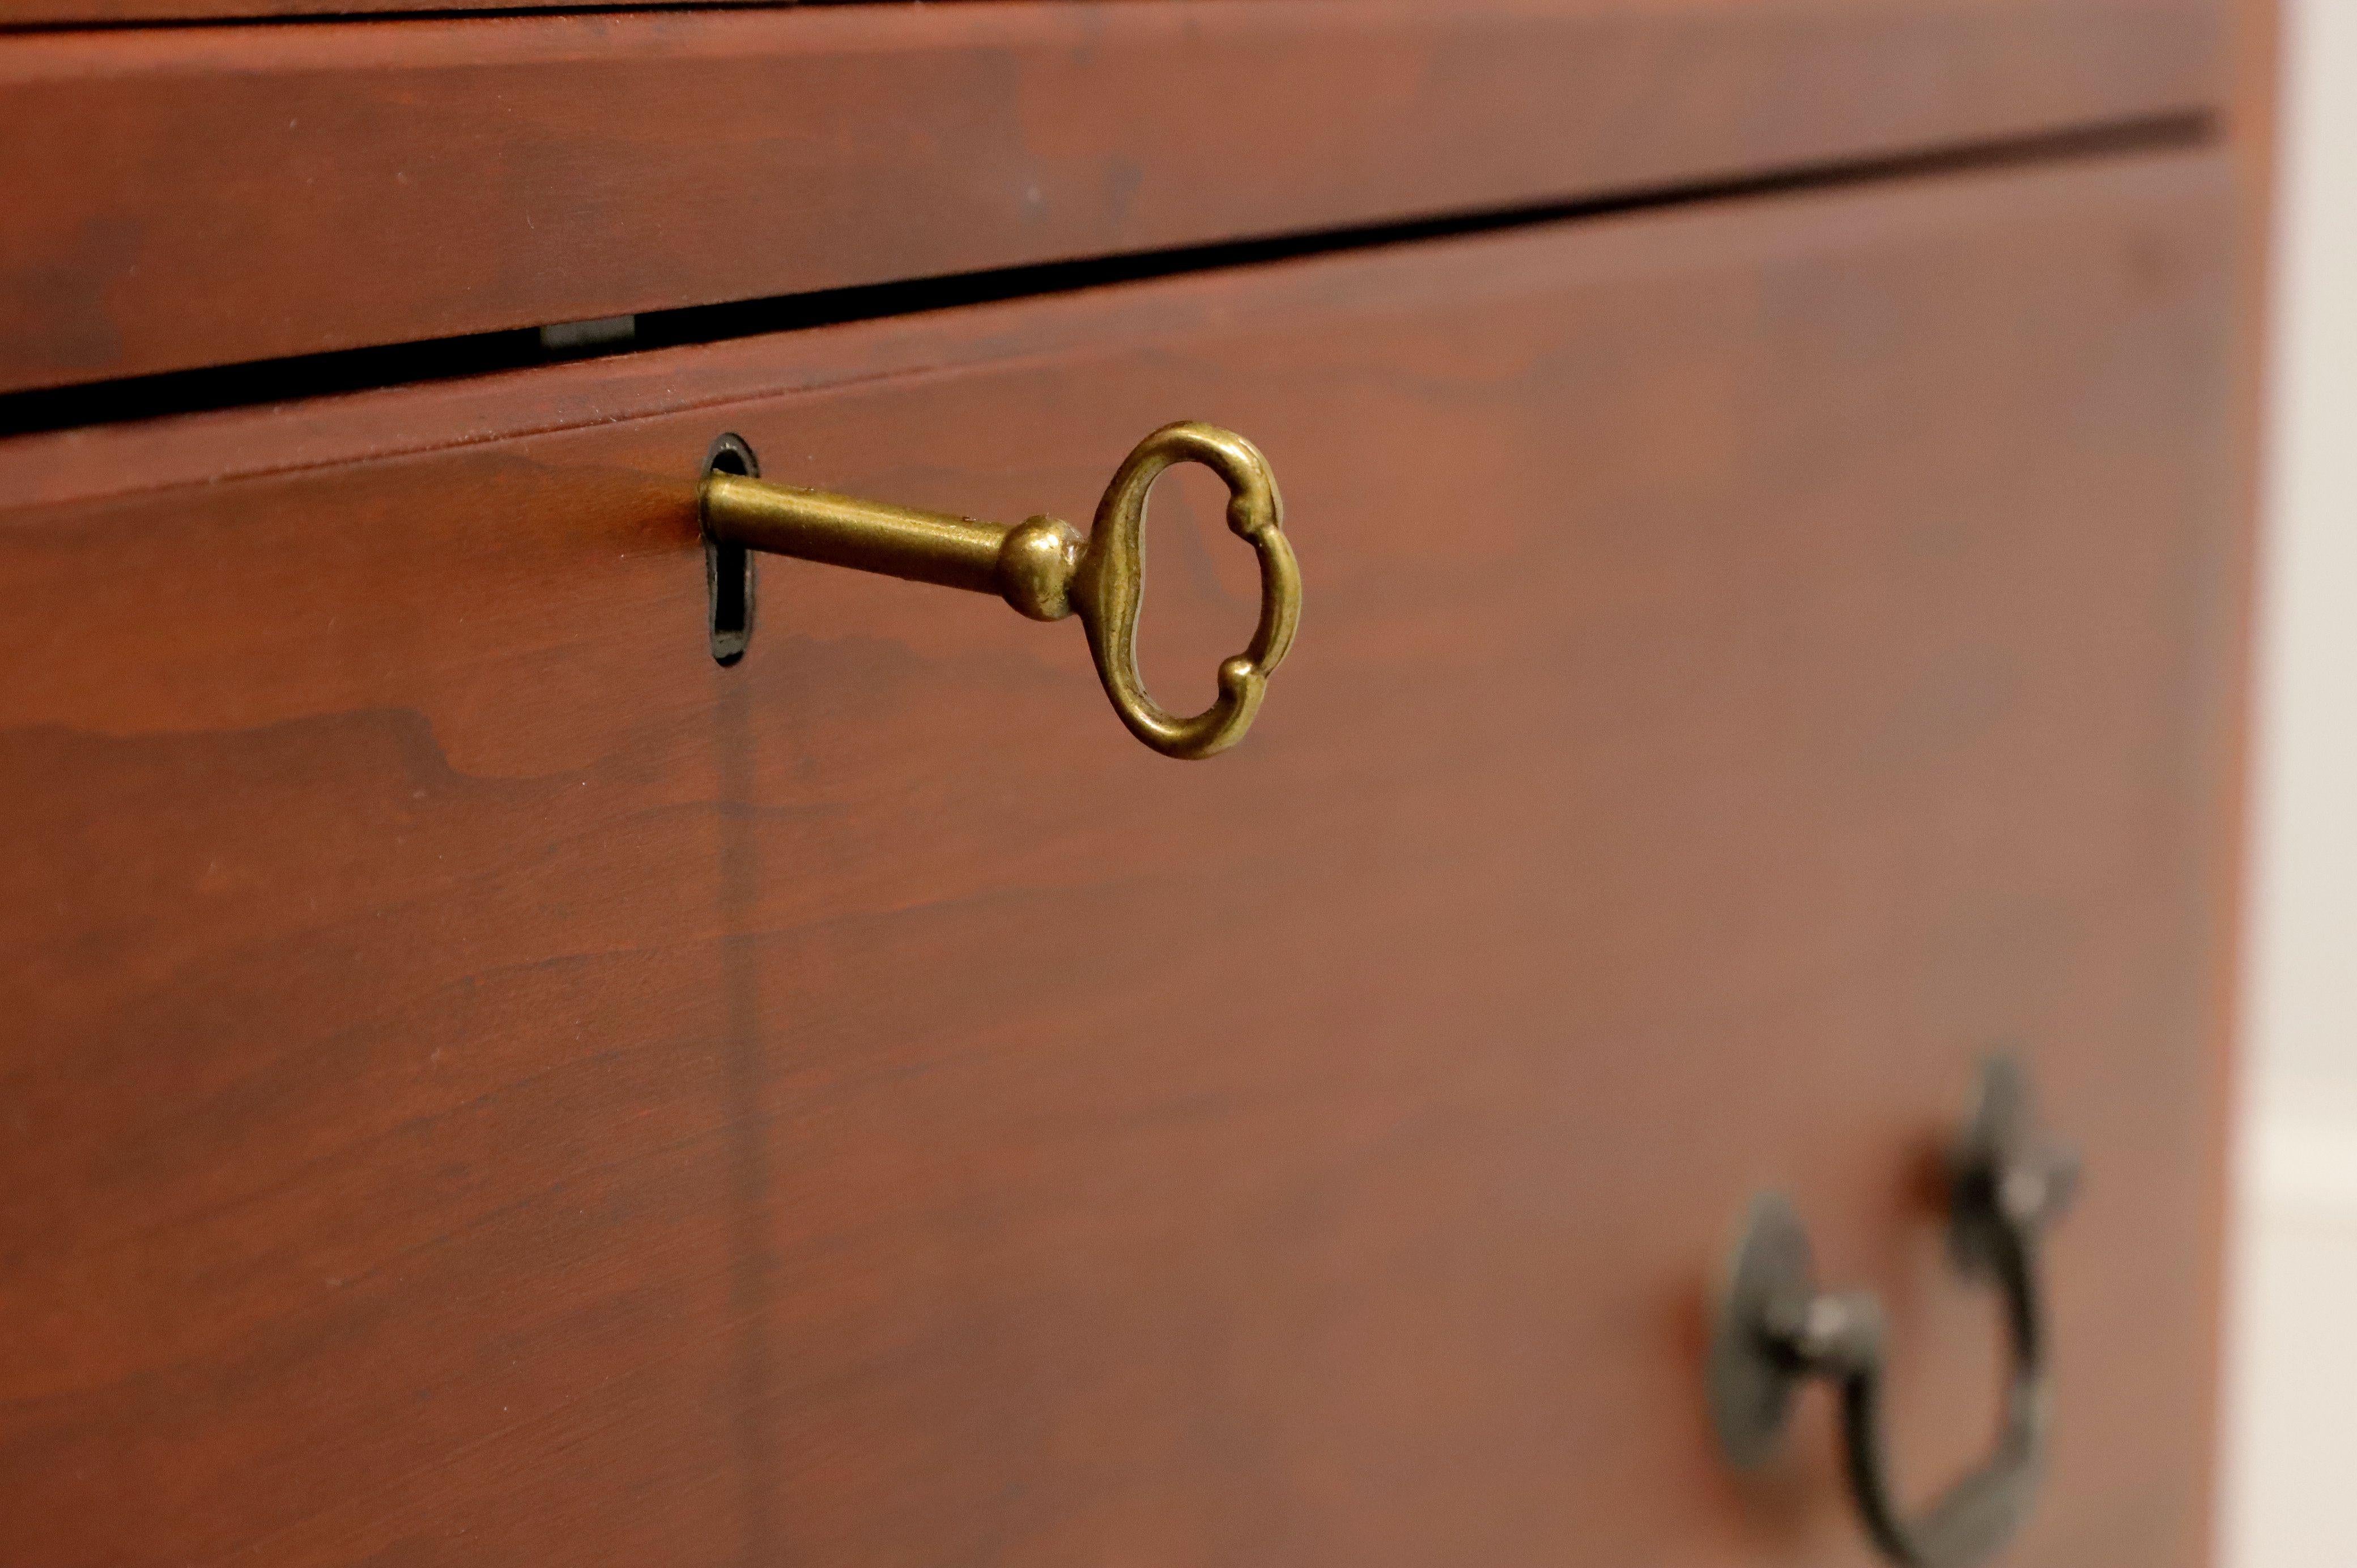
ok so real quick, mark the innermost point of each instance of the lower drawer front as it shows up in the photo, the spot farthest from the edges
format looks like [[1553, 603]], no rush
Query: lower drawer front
[[487, 1085]]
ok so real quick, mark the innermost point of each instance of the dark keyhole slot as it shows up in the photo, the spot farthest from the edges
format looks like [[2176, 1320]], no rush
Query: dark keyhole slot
[[728, 568]]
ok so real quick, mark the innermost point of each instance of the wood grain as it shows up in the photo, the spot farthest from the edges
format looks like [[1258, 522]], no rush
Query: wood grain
[[203, 196], [484, 1086]]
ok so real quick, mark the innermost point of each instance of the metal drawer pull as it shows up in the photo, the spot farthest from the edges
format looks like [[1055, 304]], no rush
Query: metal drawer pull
[[1776, 1328], [1041, 566]]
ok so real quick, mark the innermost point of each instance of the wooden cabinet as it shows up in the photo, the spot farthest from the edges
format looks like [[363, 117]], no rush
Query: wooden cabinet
[[486, 1084]]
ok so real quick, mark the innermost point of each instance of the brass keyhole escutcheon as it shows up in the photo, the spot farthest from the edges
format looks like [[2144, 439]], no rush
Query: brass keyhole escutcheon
[[1042, 566]]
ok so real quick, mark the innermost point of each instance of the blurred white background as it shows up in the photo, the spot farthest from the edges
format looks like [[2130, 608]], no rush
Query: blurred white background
[[2290, 1497]]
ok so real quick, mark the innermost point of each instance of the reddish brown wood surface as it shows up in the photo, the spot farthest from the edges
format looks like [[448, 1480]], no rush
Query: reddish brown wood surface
[[2253, 126], [202, 195], [484, 1086], [67, 13]]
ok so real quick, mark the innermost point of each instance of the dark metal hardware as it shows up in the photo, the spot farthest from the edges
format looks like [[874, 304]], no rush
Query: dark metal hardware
[[1776, 1329]]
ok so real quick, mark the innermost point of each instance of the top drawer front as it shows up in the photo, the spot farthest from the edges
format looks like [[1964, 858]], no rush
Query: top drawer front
[[211, 195]]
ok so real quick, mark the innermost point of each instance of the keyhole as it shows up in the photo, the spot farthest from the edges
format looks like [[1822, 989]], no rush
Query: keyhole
[[728, 568]]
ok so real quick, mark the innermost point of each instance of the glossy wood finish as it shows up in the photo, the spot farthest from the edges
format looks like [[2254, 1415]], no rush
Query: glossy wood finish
[[485, 1085], [193, 197]]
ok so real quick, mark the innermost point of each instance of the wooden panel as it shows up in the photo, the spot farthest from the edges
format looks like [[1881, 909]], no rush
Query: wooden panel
[[203, 196], [485, 1085], [66, 13]]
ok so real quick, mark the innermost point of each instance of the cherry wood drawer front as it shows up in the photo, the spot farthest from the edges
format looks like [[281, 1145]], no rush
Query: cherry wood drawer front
[[20, 13], [485, 1085], [208, 196]]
